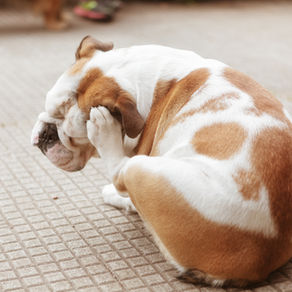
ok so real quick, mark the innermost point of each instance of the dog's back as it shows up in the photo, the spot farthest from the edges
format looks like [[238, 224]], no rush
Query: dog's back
[[224, 175]]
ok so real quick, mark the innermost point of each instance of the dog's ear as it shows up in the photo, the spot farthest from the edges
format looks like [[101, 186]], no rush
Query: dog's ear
[[131, 120], [89, 45]]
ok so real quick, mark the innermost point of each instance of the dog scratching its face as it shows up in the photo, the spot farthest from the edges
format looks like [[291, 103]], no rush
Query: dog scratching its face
[[201, 151]]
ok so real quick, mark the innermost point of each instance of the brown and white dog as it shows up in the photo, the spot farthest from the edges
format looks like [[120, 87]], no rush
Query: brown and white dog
[[203, 152]]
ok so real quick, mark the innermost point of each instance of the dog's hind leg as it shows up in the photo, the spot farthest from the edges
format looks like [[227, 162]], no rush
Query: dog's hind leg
[[182, 202]]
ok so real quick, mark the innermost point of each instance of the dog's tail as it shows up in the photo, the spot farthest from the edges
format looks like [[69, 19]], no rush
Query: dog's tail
[[199, 278]]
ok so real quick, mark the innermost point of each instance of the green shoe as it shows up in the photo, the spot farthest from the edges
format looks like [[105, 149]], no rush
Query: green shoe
[[98, 9]]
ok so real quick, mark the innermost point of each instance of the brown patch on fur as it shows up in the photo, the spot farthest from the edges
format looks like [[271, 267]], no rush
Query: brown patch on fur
[[219, 103], [78, 66], [263, 100], [90, 76], [271, 158], [220, 140], [89, 45], [159, 99], [161, 89], [249, 184], [165, 107], [118, 183], [252, 111], [63, 108], [95, 89], [221, 251]]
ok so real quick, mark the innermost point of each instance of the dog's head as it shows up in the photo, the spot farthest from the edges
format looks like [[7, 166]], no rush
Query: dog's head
[[60, 131]]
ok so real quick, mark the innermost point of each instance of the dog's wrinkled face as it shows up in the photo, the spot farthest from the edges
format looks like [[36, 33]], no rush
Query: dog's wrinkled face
[[60, 131], [61, 134]]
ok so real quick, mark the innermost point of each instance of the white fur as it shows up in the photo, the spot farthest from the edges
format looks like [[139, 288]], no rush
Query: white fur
[[35, 132], [104, 132]]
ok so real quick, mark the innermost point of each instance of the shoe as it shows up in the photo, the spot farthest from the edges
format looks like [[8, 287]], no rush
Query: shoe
[[98, 10]]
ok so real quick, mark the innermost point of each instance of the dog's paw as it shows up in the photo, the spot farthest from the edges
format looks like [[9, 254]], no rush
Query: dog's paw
[[103, 130], [108, 190], [113, 198], [102, 116]]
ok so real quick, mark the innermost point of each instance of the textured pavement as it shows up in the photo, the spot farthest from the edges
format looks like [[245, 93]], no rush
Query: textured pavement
[[55, 232]]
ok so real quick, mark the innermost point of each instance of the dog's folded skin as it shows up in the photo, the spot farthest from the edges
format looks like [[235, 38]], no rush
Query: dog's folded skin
[[201, 151]]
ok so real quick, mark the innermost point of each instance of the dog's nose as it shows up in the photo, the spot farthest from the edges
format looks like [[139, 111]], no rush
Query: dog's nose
[[47, 137]]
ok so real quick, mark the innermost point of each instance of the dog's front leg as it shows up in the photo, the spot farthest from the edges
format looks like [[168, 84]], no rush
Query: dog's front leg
[[104, 132]]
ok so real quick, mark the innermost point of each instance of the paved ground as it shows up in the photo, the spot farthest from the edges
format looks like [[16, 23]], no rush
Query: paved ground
[[55, 232]]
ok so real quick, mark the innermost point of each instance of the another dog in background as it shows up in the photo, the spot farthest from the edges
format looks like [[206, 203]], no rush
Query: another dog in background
[[51, 10], [52, 13]]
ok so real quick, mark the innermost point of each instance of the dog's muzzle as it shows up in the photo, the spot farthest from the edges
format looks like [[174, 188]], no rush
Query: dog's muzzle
[[50, 139], [47, 137]]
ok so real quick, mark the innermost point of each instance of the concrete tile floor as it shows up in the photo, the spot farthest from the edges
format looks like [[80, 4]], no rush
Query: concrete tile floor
[[55, 232]]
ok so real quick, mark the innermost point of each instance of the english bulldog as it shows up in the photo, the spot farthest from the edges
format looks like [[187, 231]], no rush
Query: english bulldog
[[201, 151]]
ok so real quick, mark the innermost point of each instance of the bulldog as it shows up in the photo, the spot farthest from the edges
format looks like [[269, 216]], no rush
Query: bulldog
[[201, 151]]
